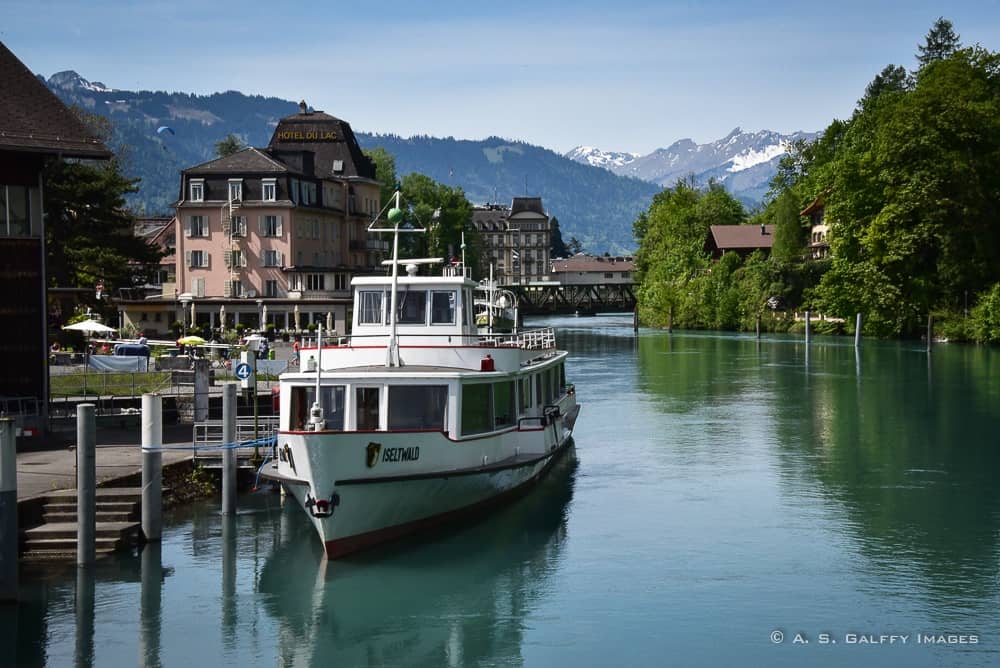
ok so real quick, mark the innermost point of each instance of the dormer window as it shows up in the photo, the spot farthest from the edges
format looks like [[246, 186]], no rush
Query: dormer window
[[270, 190], [196, 190], [235, 190]]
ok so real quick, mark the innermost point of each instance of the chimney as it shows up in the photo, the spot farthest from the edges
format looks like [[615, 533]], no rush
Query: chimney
[[762, 230]]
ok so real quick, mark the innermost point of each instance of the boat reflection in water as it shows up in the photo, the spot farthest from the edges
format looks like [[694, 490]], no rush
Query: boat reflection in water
[[460, 600]]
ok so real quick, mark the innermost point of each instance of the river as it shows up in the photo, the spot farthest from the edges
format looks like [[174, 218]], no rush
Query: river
[[728, 501]]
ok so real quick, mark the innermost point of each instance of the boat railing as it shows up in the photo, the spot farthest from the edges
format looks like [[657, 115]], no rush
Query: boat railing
[[532, 339], [543, 338]]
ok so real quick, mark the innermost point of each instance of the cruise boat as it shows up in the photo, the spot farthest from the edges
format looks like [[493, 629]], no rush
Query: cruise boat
[[416, 418]]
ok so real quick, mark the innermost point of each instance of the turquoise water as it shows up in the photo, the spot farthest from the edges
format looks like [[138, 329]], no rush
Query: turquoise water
[[721, 491]]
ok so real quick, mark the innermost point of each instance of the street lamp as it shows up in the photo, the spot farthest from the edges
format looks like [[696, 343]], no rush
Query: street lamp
[[185, 299]]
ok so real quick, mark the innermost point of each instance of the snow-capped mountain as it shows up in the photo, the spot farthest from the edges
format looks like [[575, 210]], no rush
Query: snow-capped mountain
[[744, 161], [595, 157], [70, 80]]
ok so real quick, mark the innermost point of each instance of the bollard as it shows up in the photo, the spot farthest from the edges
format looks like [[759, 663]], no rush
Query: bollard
[[808, 333], [86, 484], [857, 331], [8, 511], [84, 608], [228, 454], [152, 467]]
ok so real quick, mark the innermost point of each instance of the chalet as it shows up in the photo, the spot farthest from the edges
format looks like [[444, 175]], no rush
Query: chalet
[[35, 127], [593, 270], [819, 229], [741, 239]]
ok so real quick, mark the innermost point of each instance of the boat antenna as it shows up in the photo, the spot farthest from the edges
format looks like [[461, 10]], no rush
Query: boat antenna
[[316, 420], [463, 252]]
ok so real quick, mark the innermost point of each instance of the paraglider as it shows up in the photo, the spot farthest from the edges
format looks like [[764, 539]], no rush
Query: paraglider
[[164, 128]]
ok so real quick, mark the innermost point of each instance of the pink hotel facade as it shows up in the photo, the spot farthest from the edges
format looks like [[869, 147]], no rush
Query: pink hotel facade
[[274, 233]]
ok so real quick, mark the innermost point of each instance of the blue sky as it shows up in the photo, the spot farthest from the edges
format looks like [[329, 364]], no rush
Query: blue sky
[[626, 75]]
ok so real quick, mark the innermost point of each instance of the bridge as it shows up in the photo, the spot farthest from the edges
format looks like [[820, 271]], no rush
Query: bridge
[[550, 297]]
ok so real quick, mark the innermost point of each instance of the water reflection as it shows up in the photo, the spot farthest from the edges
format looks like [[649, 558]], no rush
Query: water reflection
[[459, 599], [903, 445]]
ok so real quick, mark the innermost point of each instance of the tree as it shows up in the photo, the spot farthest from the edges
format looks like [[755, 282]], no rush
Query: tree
[[557, 247], [789, 233], [385, 172], [573, 246], [89, 231], [446, 215], [892, 79], [940, 43], [228, 145]]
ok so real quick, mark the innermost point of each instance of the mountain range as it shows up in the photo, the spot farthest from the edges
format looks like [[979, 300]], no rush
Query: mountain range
[[595, 195]]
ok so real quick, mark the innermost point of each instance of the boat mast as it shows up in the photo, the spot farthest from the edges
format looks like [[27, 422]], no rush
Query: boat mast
[[316, 420], [392, 352]]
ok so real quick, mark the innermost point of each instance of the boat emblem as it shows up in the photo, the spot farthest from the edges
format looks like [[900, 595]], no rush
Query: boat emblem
[[372, 452], [322, 507]]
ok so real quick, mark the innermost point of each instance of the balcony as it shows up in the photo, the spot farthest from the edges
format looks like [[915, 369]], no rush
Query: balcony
[[358, 245]]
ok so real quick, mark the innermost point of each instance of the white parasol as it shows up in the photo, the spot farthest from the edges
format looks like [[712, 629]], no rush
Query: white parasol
[[89, 327], [329, 322], [263, 316], [295, 317], [222, 317]]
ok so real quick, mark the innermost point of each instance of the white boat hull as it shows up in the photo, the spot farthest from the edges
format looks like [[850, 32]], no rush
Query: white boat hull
[[362, 488]]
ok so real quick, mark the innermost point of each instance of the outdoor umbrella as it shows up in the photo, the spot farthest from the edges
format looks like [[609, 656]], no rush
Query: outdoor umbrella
[[295, 316], [191, 340], [88, 327], [329, 322], [222, 318]]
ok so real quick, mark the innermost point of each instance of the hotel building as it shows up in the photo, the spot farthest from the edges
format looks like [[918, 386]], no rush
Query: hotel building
[[516, 240]]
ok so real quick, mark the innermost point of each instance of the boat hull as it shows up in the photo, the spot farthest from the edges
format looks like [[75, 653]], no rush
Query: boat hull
[[355, 503]]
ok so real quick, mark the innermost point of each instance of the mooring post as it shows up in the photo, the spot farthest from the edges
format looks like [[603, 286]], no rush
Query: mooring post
[[86, 484], [857, 332], [670, 320], [228, 452], [152, 466], [150, 603], [758, 326], [635, 318], [8, 510], [808, 333], [930, 331], [202, 372]]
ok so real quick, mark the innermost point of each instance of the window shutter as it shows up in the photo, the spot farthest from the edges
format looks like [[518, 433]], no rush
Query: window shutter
[[229, 260], [187, 258], [227, 289], [226, 223], [204, 259], [260, 225], [281, 259], [243, 259], [199, 287], [278, 230], [190, 226]]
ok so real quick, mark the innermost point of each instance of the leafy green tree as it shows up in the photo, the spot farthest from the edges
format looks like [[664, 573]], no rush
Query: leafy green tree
[[573, 246], [385, 172], [228, 145], [789, 232], [446, 214], [941, 42], [892, 79]]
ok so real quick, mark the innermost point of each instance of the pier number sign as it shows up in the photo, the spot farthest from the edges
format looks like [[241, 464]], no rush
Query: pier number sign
[[243, 372]]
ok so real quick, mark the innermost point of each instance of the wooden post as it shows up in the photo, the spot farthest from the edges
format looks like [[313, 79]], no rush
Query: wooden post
[[152, 467], [758, 325], [670, 319], [857, 332], [930, 331], [635, 318], [808, 334], [8, 510], [86, 484]]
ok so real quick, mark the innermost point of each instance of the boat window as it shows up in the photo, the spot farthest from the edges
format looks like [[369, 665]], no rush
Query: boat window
[[503, 404], [477, 409], [366, 408], [411, 307], [525, 391], [371, 307], [331, 399], [469, 314], [417, 406], [442, 307]]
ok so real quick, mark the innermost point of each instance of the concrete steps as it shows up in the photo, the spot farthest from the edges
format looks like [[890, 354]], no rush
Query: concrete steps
[[118, 518]]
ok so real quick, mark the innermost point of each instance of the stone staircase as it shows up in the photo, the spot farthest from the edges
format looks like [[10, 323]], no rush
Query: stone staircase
[[118, 524]]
